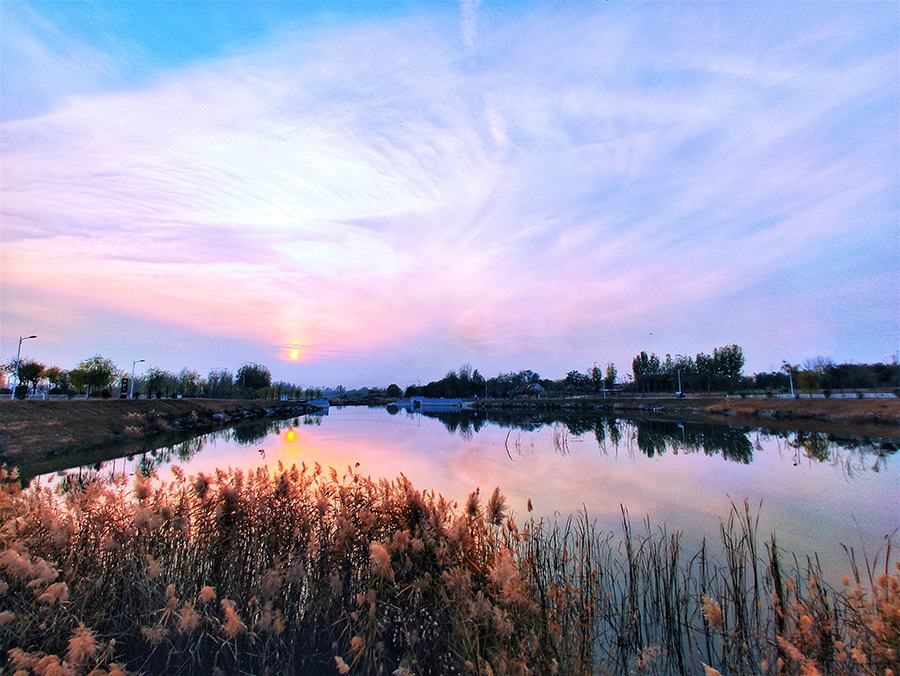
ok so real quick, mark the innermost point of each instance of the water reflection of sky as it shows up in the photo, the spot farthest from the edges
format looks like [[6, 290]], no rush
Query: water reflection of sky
[[813, 505]]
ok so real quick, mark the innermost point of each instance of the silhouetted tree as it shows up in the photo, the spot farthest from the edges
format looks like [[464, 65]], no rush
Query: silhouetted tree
[[611, 373], [219, 383], [646, 370], [253, 377], [728, 364], [31, 372], [596, 377], [577, 381]]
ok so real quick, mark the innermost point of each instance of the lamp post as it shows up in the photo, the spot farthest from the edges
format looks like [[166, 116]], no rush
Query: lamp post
[[787, 367], [131, 384], [18, 355]]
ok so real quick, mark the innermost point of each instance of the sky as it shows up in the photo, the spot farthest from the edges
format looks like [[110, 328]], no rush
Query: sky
[[391, 190]]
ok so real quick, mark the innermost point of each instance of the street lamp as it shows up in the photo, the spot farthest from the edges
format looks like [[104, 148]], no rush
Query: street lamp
[[19, 354], [131, 384], [787, 367]]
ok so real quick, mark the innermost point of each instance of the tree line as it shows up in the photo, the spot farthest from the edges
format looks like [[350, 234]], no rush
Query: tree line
[[720, 371], [822, 374], [466, 383], [98, 375]]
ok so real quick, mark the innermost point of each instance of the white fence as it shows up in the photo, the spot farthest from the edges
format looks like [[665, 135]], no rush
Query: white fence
[[46, 397], [816, 395]]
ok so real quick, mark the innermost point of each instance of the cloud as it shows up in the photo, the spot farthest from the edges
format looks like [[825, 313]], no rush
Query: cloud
[[468, 22], [374, 191]]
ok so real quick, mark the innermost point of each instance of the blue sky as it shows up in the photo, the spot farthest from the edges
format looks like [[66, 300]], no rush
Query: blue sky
[[399, 188]]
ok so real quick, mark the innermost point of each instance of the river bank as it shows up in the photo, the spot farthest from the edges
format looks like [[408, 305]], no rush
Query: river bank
[[869, 417], [31, 430]]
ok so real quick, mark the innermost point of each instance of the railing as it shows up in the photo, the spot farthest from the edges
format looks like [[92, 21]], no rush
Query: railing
[[47, 397], [815, 395]]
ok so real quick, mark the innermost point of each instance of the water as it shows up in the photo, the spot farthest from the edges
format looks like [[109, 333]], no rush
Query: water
[[816, 493]]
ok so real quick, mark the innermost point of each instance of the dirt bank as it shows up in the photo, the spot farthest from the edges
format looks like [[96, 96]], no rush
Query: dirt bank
[[41, 429]]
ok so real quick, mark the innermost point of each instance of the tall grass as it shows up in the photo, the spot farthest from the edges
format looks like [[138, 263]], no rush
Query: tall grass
[[300, 571]]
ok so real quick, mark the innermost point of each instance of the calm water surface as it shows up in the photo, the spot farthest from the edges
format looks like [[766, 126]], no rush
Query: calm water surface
[[816, 493]]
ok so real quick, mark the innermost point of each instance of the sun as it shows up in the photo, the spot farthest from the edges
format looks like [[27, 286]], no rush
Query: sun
[[295, 354]]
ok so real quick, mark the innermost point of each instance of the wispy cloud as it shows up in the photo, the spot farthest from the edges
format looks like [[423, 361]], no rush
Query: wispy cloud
[[468, 22], [371, 191]]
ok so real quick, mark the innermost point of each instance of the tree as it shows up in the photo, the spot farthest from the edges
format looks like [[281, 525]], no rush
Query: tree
[[393, 390], [188, 382], [99, 373], [646, 369], [57, 378], [220, 382], [577, 381], [157, 381], [597, 377], [479, 384], [77, 379], [813, 373], [728, 363], [253, 377], [611, 375], [703, 364], [31, 372]]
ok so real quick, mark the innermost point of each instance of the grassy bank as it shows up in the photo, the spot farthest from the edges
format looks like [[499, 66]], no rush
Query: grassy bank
[[307, 572], [38, 429], [876, 417], [874, 411]]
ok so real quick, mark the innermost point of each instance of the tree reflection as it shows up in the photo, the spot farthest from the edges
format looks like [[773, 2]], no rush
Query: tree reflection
[[655, 437], [614, 431]]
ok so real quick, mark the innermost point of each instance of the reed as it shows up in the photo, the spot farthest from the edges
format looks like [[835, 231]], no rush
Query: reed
[[305, 571]]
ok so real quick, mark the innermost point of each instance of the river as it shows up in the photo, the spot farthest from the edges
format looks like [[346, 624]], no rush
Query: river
[[819, 494]]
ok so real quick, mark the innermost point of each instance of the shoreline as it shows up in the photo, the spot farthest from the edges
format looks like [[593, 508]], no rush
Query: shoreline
[[870, 417], [31, 431]]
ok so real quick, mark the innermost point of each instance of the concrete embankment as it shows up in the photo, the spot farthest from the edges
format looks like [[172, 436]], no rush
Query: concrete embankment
[[30, 430]]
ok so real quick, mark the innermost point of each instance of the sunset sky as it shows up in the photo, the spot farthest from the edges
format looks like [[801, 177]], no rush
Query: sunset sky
[[394, 189]]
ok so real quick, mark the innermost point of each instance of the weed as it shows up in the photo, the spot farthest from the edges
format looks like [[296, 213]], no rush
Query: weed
[[300, 571]]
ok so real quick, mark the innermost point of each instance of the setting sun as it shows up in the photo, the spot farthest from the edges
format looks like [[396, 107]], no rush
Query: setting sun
[[295, 354]]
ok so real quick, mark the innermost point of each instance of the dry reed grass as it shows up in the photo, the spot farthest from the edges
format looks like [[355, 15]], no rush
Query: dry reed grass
[[300, 571]]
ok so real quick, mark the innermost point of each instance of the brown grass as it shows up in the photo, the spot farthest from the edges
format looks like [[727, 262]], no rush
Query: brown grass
[[302, 571], [33, 429], [862, 417], [883, 410]]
